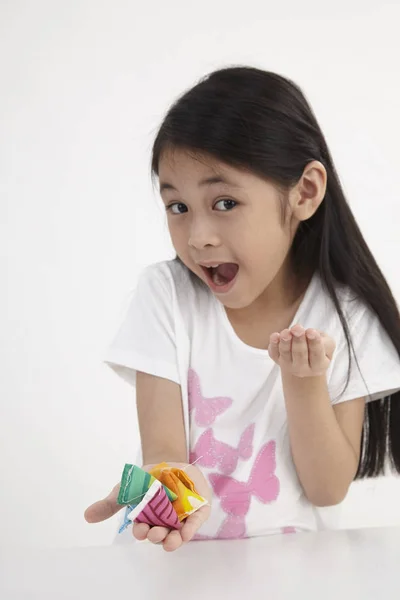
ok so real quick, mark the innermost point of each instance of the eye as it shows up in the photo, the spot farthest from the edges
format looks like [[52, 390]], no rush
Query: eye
[[177, 205], [227, 204]]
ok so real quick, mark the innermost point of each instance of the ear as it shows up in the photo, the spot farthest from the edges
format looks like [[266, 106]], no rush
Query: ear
[[309, 191]]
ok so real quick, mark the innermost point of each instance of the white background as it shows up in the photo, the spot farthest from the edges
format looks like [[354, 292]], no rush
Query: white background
[[84, 86]]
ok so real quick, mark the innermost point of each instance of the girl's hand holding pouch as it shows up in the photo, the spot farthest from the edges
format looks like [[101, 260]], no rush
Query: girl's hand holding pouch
[[170, 539]]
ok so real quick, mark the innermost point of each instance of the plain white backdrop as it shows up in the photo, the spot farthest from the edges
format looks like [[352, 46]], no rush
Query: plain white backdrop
[[84, 86]]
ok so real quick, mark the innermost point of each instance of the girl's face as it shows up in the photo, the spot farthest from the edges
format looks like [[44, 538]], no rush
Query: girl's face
[[237, 220]]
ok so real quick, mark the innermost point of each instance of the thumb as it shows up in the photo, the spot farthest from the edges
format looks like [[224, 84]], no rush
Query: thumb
[[104, 509]]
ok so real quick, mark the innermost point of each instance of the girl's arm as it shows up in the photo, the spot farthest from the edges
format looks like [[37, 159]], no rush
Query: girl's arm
[[325, 439], [161, 424], [162, 433]]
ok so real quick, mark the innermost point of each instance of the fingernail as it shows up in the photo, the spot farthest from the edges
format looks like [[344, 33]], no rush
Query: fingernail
[[311, 335], [298, 332]]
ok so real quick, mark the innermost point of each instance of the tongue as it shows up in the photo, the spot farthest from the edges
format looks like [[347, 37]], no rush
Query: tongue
[[225, 273]]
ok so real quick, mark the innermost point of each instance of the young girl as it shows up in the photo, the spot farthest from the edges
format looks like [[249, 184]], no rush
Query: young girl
[[266, 354]]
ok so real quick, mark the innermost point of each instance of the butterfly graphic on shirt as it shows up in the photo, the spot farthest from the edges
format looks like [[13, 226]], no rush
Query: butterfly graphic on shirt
[[209, 452], [206, 409], [235, 496]]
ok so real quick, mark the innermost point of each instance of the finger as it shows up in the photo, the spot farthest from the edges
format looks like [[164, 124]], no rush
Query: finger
[[194, 522], [157, 534], [173, 541], [316, 350], [285, 346], [104, 509], [328, 342], [299, 347], [140, 531], [273, 348], [329, 345]]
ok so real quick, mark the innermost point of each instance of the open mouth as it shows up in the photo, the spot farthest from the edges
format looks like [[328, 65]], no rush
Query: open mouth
[[222, 276]]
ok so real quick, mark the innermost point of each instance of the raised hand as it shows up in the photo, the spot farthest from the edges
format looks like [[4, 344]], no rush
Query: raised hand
[[300, 352]]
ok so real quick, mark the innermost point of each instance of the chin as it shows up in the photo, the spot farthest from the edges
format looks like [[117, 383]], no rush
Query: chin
[[235, 304]]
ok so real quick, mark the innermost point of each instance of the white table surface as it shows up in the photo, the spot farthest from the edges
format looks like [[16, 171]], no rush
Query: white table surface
[[340, 565]]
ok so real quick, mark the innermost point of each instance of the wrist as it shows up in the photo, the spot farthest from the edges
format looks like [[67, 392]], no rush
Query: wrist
[[304, 387], [167, 457]]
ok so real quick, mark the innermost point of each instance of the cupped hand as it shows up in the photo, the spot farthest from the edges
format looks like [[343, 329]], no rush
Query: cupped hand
[[300, 352], [170, 539]]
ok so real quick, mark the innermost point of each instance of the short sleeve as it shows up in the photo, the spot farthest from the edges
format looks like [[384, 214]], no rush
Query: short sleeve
[[145, 340], [377, 357]]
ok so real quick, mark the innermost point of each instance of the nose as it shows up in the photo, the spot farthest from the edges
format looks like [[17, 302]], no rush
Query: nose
[[202, 234]]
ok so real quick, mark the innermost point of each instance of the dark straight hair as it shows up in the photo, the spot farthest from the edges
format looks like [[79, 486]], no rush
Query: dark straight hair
[[262, 122]]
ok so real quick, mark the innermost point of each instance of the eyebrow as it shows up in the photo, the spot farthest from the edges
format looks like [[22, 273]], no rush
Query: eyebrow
[[208, 181]]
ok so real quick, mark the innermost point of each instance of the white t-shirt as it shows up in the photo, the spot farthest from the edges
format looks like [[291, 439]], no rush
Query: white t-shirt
[[234, 409]]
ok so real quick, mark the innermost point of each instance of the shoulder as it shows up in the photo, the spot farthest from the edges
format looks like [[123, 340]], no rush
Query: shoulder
[[374, 370], [354, 308], [165, 273], [360, 317], [171, 272], [376, 367], [172, 280], [367, 334]]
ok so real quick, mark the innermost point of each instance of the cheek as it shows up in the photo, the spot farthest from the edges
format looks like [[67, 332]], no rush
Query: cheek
[[265, 253], [267, 241], [177, 235]]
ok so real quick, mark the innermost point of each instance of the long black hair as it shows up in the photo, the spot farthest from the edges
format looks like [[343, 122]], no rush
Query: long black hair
[[261, 121]]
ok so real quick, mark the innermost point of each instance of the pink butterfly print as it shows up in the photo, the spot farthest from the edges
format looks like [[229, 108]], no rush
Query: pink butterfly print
[[198, 537], [207, 409], [232, 528], [289, 529], [209, 452], [235, 495]]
